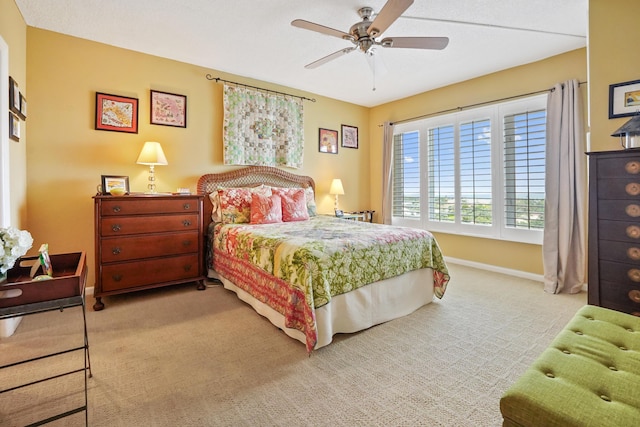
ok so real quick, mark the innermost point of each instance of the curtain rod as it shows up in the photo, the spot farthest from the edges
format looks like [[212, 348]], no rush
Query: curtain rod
[[218, 79], [451, 110]]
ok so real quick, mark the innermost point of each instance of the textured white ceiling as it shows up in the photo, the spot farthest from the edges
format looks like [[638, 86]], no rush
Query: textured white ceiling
[[255, 39]]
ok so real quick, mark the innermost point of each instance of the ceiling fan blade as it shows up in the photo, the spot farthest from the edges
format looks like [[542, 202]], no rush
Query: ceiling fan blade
[[331, 57], [437, 43], [387, 16], [301, 23]]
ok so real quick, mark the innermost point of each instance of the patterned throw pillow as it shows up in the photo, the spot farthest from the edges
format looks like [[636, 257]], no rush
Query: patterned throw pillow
[[309, 196], [294, 206], [235, 203], [265, 209]]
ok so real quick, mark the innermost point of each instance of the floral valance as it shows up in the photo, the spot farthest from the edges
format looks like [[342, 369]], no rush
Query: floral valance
[[263, 129]]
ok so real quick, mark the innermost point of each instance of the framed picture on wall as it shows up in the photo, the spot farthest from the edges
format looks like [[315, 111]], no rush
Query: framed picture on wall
[[14, 127], [116, 113], [624, 99], [349, 136], [14, 96], [328, 141], [23, 107], [168, 109]]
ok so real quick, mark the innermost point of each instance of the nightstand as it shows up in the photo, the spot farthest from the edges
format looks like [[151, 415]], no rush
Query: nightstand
[[146, 241]]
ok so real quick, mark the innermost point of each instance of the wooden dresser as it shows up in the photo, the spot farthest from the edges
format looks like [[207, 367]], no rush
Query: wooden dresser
[[614, 230], [146, 241]]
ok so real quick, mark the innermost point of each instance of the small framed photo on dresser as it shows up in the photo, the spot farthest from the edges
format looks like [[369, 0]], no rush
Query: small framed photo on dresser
[[115, 184]]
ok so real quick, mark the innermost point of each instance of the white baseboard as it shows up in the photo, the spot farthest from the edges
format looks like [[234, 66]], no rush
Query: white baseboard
[[508, 271], [496, 269]]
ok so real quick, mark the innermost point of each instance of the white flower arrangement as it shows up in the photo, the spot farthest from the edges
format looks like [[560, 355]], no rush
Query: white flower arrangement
[[13, 244]]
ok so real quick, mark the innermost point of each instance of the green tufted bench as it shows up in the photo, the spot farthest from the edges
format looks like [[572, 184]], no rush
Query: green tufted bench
[[589, 376]]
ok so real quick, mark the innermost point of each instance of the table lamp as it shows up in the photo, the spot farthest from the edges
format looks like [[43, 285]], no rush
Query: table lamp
[[629, 133], [152, 155], [337, 190]]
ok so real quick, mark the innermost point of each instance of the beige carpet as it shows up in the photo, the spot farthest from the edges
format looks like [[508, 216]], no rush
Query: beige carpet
[[179, 357]]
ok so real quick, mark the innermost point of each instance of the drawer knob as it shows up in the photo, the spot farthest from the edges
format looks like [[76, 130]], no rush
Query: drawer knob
[[115, 227], [187, 267], [186, 222], [633, 231], [186, 243], [632, 167], [117, 277], [632, 189], [633, 210], [186, 206], [116, 251], [117, 209], [634, 274], [633, 253], [634, 295]]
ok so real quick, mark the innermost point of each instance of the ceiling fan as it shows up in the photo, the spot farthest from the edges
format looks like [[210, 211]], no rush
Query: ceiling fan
[[364, 34]]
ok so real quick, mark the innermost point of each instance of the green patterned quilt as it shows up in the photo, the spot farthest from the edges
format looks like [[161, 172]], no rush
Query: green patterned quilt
[[306, 263]]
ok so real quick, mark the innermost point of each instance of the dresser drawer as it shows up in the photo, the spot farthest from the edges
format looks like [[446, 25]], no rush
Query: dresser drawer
[[622, 231], [621, 297], [137, 274], [618, 167], [625, 252], [150, 205], [140, 224], [620, 272], [619, 209], [148, 246], [619, 188]]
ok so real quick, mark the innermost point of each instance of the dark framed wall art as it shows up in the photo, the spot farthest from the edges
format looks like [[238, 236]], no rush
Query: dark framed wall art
[[328, 141], [349, 136], [624, 99], [116, 113], [168, 109]]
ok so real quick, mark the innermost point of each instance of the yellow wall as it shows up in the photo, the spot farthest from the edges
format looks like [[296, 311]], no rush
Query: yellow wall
[[613, 58], [515, 81], [67, 156], [14, 32]]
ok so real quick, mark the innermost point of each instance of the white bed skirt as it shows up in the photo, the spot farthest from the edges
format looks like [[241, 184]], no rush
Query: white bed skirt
[[354, 311]]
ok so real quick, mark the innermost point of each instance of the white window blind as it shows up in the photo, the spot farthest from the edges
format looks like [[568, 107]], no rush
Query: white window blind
[[442, 175], [406, 175], [475, 172], [524, 162]]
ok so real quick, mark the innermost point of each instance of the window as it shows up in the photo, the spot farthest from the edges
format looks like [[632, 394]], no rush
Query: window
[[477, 172]]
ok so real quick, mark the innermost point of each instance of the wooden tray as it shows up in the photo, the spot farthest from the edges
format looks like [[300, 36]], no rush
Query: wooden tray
[[69, 277]]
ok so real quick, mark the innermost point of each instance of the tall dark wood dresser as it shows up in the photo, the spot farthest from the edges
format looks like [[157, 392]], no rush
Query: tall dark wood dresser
[[614, 230]]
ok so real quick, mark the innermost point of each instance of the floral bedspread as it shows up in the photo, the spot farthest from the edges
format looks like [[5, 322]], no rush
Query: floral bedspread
[[296, 267]]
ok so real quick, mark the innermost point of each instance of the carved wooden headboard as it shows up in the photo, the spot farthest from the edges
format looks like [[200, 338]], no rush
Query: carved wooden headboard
[[250, 176]]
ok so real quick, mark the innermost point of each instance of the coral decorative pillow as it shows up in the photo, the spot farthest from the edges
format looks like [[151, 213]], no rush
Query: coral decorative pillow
[[265, 209], [309, 195], [294, 206], [235, 203]]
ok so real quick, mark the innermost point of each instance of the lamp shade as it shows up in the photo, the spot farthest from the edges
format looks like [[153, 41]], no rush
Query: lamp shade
[[336, 187], [152, 154], [629, 133]]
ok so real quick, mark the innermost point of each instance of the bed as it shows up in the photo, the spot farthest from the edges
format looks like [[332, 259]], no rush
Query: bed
[[311, 275]]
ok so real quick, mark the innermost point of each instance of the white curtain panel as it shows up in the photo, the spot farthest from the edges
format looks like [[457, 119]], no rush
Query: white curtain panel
[[262, 128], [387, 162], [564, 243]]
